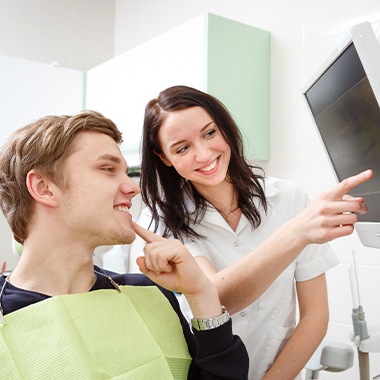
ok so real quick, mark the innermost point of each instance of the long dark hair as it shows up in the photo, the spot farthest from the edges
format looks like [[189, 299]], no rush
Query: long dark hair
[[162, 188]]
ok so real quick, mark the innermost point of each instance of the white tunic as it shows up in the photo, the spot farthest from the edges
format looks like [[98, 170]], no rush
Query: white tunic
[[266, 325]]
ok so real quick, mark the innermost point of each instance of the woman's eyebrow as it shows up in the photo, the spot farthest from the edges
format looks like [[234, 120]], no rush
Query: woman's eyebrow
[[182, 141], [207, 125]]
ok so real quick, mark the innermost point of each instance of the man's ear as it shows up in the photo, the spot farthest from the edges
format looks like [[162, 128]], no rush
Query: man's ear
[[164, 159], [41, 189]]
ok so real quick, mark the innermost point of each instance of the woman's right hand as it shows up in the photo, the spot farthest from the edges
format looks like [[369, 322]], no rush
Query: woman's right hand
[[333, 213]]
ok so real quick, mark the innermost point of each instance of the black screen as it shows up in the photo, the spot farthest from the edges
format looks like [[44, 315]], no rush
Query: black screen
[[348, 118]]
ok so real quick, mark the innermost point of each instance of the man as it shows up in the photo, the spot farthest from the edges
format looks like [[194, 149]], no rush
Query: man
[[64, 190]]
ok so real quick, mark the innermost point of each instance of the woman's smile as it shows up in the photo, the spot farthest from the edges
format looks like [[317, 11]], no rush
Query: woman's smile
[[209, 169]]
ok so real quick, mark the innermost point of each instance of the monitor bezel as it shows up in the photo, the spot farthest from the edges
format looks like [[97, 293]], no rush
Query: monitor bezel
[[364, 39]]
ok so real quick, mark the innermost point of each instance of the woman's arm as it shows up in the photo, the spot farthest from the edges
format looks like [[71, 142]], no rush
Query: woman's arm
[[330, 216], [311, 329]]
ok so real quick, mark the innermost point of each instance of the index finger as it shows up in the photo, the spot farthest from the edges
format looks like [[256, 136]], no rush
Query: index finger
[[146, 235], [349, 183]]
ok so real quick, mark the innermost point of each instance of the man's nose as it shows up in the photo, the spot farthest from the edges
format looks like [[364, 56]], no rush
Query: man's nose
[[129, 187]]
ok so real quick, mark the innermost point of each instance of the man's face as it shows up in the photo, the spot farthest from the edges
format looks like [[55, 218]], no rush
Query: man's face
[[96, 204]]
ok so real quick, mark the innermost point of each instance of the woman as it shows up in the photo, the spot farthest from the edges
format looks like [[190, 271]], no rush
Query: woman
[[200, 189]]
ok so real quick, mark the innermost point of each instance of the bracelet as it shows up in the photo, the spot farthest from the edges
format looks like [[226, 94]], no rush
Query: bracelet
[[211, 323]]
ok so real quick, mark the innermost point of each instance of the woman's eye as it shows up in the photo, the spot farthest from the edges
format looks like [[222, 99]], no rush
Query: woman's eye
[[210, 133], [182, 149]]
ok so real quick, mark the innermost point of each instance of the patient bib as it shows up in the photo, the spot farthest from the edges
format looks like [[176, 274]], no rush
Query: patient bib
[[102, 334]]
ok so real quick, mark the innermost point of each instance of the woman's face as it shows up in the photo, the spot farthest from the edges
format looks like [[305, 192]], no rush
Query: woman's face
[[192, 143]]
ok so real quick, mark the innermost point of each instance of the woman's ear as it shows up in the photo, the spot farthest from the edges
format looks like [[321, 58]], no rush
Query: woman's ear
[[41, 189], [163, 159]]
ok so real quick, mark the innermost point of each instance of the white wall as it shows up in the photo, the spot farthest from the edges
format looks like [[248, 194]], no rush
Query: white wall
[[303, 34], [78, 34], [44, 47], [28, 91]]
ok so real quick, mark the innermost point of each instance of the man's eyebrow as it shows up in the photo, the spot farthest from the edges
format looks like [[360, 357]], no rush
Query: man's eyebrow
[[112, 158], [109, 157]]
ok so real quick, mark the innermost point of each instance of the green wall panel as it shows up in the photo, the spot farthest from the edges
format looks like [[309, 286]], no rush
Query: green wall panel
[[238, 73]]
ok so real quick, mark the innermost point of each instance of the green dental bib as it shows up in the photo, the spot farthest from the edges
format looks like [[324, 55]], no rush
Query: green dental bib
[[103, 334]]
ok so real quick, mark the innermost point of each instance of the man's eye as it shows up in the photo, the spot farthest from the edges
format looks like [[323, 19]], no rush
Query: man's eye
[[109, 169]]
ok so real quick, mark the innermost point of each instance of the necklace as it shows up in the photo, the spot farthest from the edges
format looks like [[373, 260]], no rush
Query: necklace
[[2, 322], [225, 214], [95, 276], [94, 280], [113, 283], [234, 206], [231, 217]]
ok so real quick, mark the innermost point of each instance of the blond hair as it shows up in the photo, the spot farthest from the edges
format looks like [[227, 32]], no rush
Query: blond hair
[[44, 146]]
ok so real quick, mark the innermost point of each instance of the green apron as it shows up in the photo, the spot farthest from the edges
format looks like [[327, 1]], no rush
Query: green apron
[[101, 334]]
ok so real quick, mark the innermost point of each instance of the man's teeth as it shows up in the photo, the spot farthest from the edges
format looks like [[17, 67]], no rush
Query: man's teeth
[[208, 168], [122, 208]]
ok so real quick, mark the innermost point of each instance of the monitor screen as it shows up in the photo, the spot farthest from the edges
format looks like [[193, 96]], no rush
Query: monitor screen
[[343, 100]]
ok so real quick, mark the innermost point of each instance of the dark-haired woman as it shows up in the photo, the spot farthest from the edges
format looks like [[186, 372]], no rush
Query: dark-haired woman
[[199, 188]]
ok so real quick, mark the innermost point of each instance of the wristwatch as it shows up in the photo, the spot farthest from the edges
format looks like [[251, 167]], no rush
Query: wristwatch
[[211, 323]]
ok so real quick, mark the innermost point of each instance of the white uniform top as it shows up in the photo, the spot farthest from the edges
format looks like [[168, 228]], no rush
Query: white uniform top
[[266, 325]]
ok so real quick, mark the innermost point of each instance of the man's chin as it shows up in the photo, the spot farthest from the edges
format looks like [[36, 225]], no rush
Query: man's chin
[[128, 239], [118, 237]]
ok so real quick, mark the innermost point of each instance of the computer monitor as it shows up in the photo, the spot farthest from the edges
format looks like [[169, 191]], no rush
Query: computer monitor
[[344, 99]]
